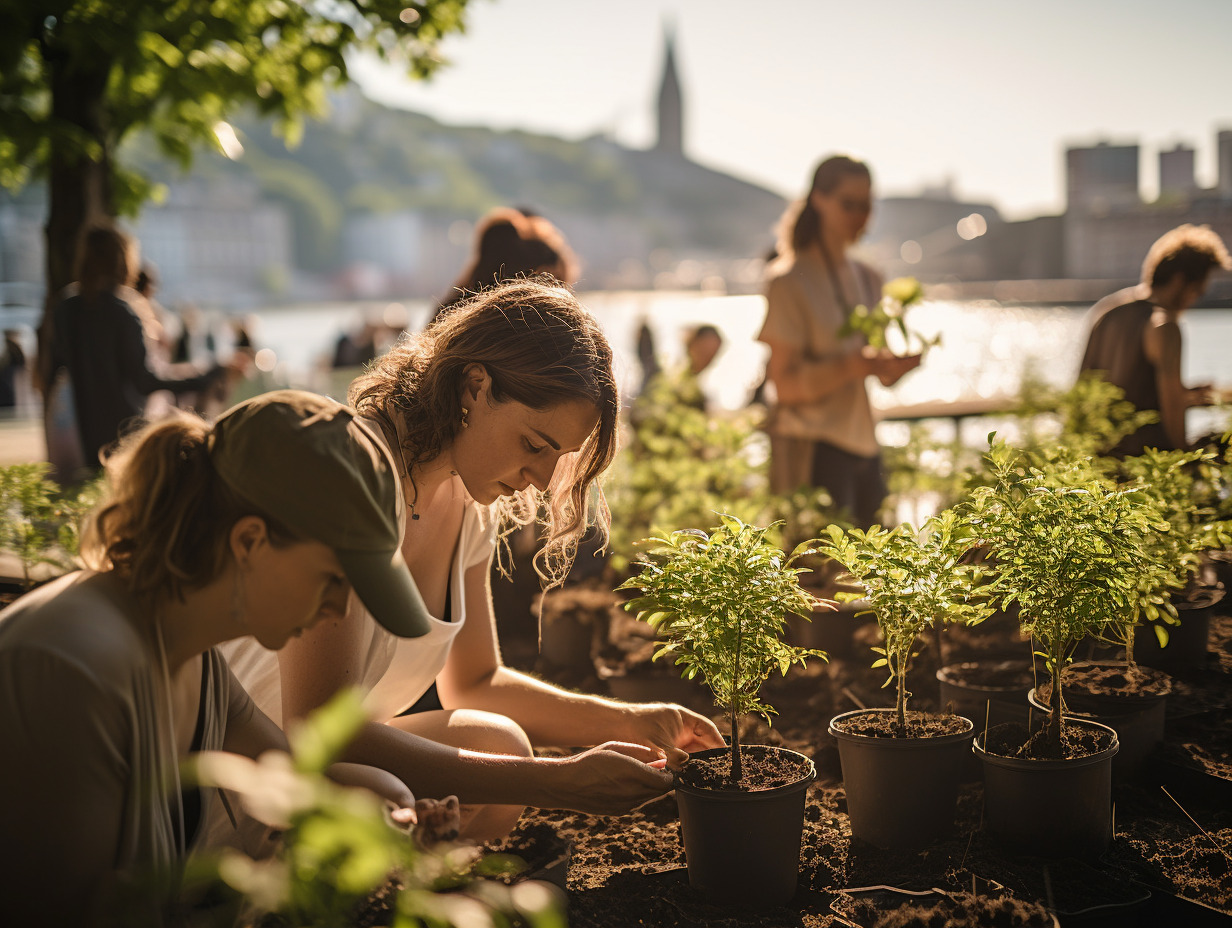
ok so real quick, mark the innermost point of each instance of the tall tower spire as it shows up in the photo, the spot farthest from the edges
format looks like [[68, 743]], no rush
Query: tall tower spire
[[671, 110]]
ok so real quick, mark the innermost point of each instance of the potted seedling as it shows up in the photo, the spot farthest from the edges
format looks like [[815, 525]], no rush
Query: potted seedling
[[1185, 486], [1123, 693], [717, 600], [1069, 549], [901, 769], [40, 522]]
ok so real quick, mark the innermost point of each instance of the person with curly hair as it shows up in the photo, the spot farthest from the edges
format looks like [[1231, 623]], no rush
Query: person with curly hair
[[505, 405], [1135, 336]]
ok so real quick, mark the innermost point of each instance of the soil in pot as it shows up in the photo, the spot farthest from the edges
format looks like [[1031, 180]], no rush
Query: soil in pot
[[742, 838], [1132, 701], [901, 791], [1041, 804]]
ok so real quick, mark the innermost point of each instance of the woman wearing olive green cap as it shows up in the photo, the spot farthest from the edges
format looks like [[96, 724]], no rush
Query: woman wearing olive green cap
[[504, 396], [110, 676]]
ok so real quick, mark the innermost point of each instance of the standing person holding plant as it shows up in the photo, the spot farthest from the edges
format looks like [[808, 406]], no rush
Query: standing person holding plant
[[109, 677], [505, 403], [1135, 336], [821, 423]]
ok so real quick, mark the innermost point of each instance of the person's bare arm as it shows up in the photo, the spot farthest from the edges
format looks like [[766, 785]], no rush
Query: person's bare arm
[[329, 656], [475, 677], [799, 381], [1164, 347]]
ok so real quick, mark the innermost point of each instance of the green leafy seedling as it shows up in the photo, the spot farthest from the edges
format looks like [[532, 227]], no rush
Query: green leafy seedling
[[912, 581], [890, 313], [1068, 546], [719, 601]]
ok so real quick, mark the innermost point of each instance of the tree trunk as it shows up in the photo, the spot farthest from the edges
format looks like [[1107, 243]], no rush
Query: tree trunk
[[79, 183]]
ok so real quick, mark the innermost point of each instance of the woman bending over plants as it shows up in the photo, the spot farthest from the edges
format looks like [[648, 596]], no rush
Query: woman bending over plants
[[504, 403], [110, 676]]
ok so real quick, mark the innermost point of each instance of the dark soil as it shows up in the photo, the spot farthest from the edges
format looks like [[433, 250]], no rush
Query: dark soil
[[1011, 740], [918, 725], [1117, 679], [992, 675], [760, 769], [630, 870]]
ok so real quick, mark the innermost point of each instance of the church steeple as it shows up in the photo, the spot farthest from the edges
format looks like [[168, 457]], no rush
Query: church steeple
[[671, 115]]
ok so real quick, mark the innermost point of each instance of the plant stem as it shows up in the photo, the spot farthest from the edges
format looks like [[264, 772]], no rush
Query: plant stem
[[1054, 714], [901, 701], [736, 770]]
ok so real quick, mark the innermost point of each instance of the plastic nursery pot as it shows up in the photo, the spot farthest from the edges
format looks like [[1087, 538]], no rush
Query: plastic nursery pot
[[1137, 718], [1048, 808], [1187, 642], [566, 643], [743, 848], [827, 631], [901, 792], [987, 692]]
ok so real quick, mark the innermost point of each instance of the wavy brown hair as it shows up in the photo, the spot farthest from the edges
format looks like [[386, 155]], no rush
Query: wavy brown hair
[[163, 525], [540, 347]]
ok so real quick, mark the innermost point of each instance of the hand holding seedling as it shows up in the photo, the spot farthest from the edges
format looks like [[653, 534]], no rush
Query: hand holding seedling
[[674, 730], [611, 779]]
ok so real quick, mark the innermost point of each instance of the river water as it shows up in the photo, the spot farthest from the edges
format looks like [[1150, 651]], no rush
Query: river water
[[986, 347]]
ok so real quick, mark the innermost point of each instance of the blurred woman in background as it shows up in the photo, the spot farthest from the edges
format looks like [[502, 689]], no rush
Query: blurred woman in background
[[821, 424]]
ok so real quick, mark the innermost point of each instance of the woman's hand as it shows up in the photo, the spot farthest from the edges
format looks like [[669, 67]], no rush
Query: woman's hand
[[611, 779], [889, 368], [674, 730]]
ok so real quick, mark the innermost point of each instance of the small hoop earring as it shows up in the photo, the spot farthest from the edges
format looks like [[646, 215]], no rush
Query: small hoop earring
[[465, 412]]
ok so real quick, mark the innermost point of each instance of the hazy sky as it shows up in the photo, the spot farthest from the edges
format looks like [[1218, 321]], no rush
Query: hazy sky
[[986, 92]]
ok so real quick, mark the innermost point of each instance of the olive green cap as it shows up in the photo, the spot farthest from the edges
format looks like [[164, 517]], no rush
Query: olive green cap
[[311, 464]]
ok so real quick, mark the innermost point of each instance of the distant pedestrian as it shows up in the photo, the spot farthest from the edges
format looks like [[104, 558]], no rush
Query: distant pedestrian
[[12, 368], [100, 342], [1135, 338], [513, 243]]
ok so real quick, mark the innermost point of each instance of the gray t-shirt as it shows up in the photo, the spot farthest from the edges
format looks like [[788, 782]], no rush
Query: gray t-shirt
[[90, 786]]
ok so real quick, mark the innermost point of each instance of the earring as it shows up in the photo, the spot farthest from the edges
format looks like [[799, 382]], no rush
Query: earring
[[465, 412]]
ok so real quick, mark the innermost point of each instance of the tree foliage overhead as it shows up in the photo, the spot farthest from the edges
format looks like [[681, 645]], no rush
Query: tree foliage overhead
[[178, 67]]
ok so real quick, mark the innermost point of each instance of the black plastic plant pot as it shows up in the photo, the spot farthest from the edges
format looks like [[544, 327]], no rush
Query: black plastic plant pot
[[1187, 642], [743, 848], [1049, 808], [1138, 722], [989, 692], [901, 792]]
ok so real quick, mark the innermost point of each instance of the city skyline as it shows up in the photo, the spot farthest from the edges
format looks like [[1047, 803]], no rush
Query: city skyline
[[987, 96]]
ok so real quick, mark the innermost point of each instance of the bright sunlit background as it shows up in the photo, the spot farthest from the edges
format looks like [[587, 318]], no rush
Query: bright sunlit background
[[986, 94]]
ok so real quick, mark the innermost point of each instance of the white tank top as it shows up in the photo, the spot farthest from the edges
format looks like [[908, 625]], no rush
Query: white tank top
[[395, 671]]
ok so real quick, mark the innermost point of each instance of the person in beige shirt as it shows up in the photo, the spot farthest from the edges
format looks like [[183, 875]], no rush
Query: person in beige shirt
[[110, 676], [821, 423]]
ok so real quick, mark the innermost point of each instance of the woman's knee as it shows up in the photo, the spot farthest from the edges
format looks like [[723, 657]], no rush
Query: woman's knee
[[489, 733]]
